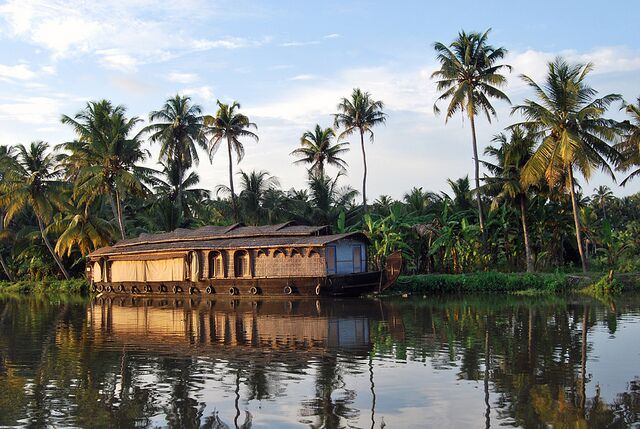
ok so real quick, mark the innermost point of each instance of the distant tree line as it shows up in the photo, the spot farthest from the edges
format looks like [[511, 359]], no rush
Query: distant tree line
[[529, 212]]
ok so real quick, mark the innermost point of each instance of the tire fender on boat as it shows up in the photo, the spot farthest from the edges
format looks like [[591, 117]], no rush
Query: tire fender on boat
[[253, 290], [288, 290]]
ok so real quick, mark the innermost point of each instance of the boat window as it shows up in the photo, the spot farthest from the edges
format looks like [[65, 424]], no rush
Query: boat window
[[241, 264], [331, 259], [357, 259], [216, 266]]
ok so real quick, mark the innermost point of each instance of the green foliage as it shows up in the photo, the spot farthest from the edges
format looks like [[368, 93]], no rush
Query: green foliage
[[47, 286], [607, 285], [480, 282]]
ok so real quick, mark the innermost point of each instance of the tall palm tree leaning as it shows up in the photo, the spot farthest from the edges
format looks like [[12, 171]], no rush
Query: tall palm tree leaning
[[511, 156], [229, 125], [104, 159], [32, 180], [6, 159], [469, 77], [630, 145], [178, 129], [360, 113], [316, 148], [573, 134]]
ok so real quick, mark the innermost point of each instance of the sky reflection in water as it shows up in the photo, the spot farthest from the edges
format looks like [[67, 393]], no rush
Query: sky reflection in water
[[326, 363]]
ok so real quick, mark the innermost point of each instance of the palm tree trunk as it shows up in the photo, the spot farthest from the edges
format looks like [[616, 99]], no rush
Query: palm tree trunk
[[53, 253], [234, 203], [576, 220], [525, 233], [364, 177], [179, 191], [476, 162], [119, 212], [5, 268]]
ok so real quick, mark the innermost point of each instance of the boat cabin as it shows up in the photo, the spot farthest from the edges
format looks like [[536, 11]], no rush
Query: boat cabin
[[230, 252]]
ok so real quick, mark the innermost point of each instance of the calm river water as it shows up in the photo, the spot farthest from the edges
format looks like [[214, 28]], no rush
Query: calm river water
[[426, 362]]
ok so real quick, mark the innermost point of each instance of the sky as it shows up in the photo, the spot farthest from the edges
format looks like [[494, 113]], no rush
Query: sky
[[288, 63]]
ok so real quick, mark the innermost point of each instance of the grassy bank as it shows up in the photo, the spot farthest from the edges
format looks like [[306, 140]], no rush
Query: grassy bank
[[48, 286], [482, 282]]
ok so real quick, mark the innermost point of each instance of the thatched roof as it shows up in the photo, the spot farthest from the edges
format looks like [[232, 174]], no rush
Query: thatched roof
[[235, 236]]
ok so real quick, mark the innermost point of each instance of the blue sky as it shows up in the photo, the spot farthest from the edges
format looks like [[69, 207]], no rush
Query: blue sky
[[288, 63]]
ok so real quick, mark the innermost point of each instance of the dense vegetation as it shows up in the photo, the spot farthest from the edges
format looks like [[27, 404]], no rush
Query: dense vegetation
[[531, 210]]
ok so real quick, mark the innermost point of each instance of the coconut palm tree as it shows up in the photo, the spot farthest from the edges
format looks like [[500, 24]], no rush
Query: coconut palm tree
[[6, 158], [568, 120], [328, 199], [255, 186], [317, 149], [178, 129], [511, 156], [469, 77], [461, 194], [630, 146], [32, 181], [81, 226], [602, 197], [172, 181], [104, 159], [229, 125], [360, 114]]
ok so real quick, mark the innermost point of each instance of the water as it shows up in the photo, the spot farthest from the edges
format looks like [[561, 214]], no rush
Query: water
[[436, 362]]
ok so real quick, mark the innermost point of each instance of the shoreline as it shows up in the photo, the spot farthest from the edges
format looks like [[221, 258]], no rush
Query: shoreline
[[421, 284]]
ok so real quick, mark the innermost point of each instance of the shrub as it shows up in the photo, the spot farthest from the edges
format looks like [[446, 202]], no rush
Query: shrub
[[480, 282]]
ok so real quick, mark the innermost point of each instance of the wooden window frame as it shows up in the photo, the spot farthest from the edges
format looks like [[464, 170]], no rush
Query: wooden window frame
[[335, 259], [353, 248]]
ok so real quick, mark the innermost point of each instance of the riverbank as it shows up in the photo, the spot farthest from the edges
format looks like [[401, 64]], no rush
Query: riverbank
[[523, 283], [423, 284], [48, 286]]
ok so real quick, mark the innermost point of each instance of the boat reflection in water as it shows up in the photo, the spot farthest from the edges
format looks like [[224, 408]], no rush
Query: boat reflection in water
[[260, 343]]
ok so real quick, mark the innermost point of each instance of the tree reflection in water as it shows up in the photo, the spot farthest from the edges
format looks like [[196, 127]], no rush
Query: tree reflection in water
[[148, 363]]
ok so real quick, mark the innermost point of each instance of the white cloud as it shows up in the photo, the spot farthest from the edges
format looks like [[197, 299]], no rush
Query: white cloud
[[205, 93], [332, 36], [296, 44], [18, 72], [226, 43], [533, 63], [122, 34], [304, 77], [182, 77], [31, 110], [117, 59]]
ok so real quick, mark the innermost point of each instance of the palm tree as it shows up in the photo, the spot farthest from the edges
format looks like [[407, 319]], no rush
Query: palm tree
[[229, 125], [255, 186], [104, 159], [81, 226], [317, 149], [574, 135], [630, 146], [602, 197], [172, 181], [461, 194], [178, 129], [32, 180], [328, 199], [470, 77], [360, 113], [513, 154], [6, 158]]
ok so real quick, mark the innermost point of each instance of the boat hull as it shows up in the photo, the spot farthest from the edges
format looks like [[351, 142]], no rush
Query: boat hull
[[338, 285]]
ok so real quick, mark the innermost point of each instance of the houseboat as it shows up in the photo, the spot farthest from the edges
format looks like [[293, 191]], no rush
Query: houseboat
[[238, 260]]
